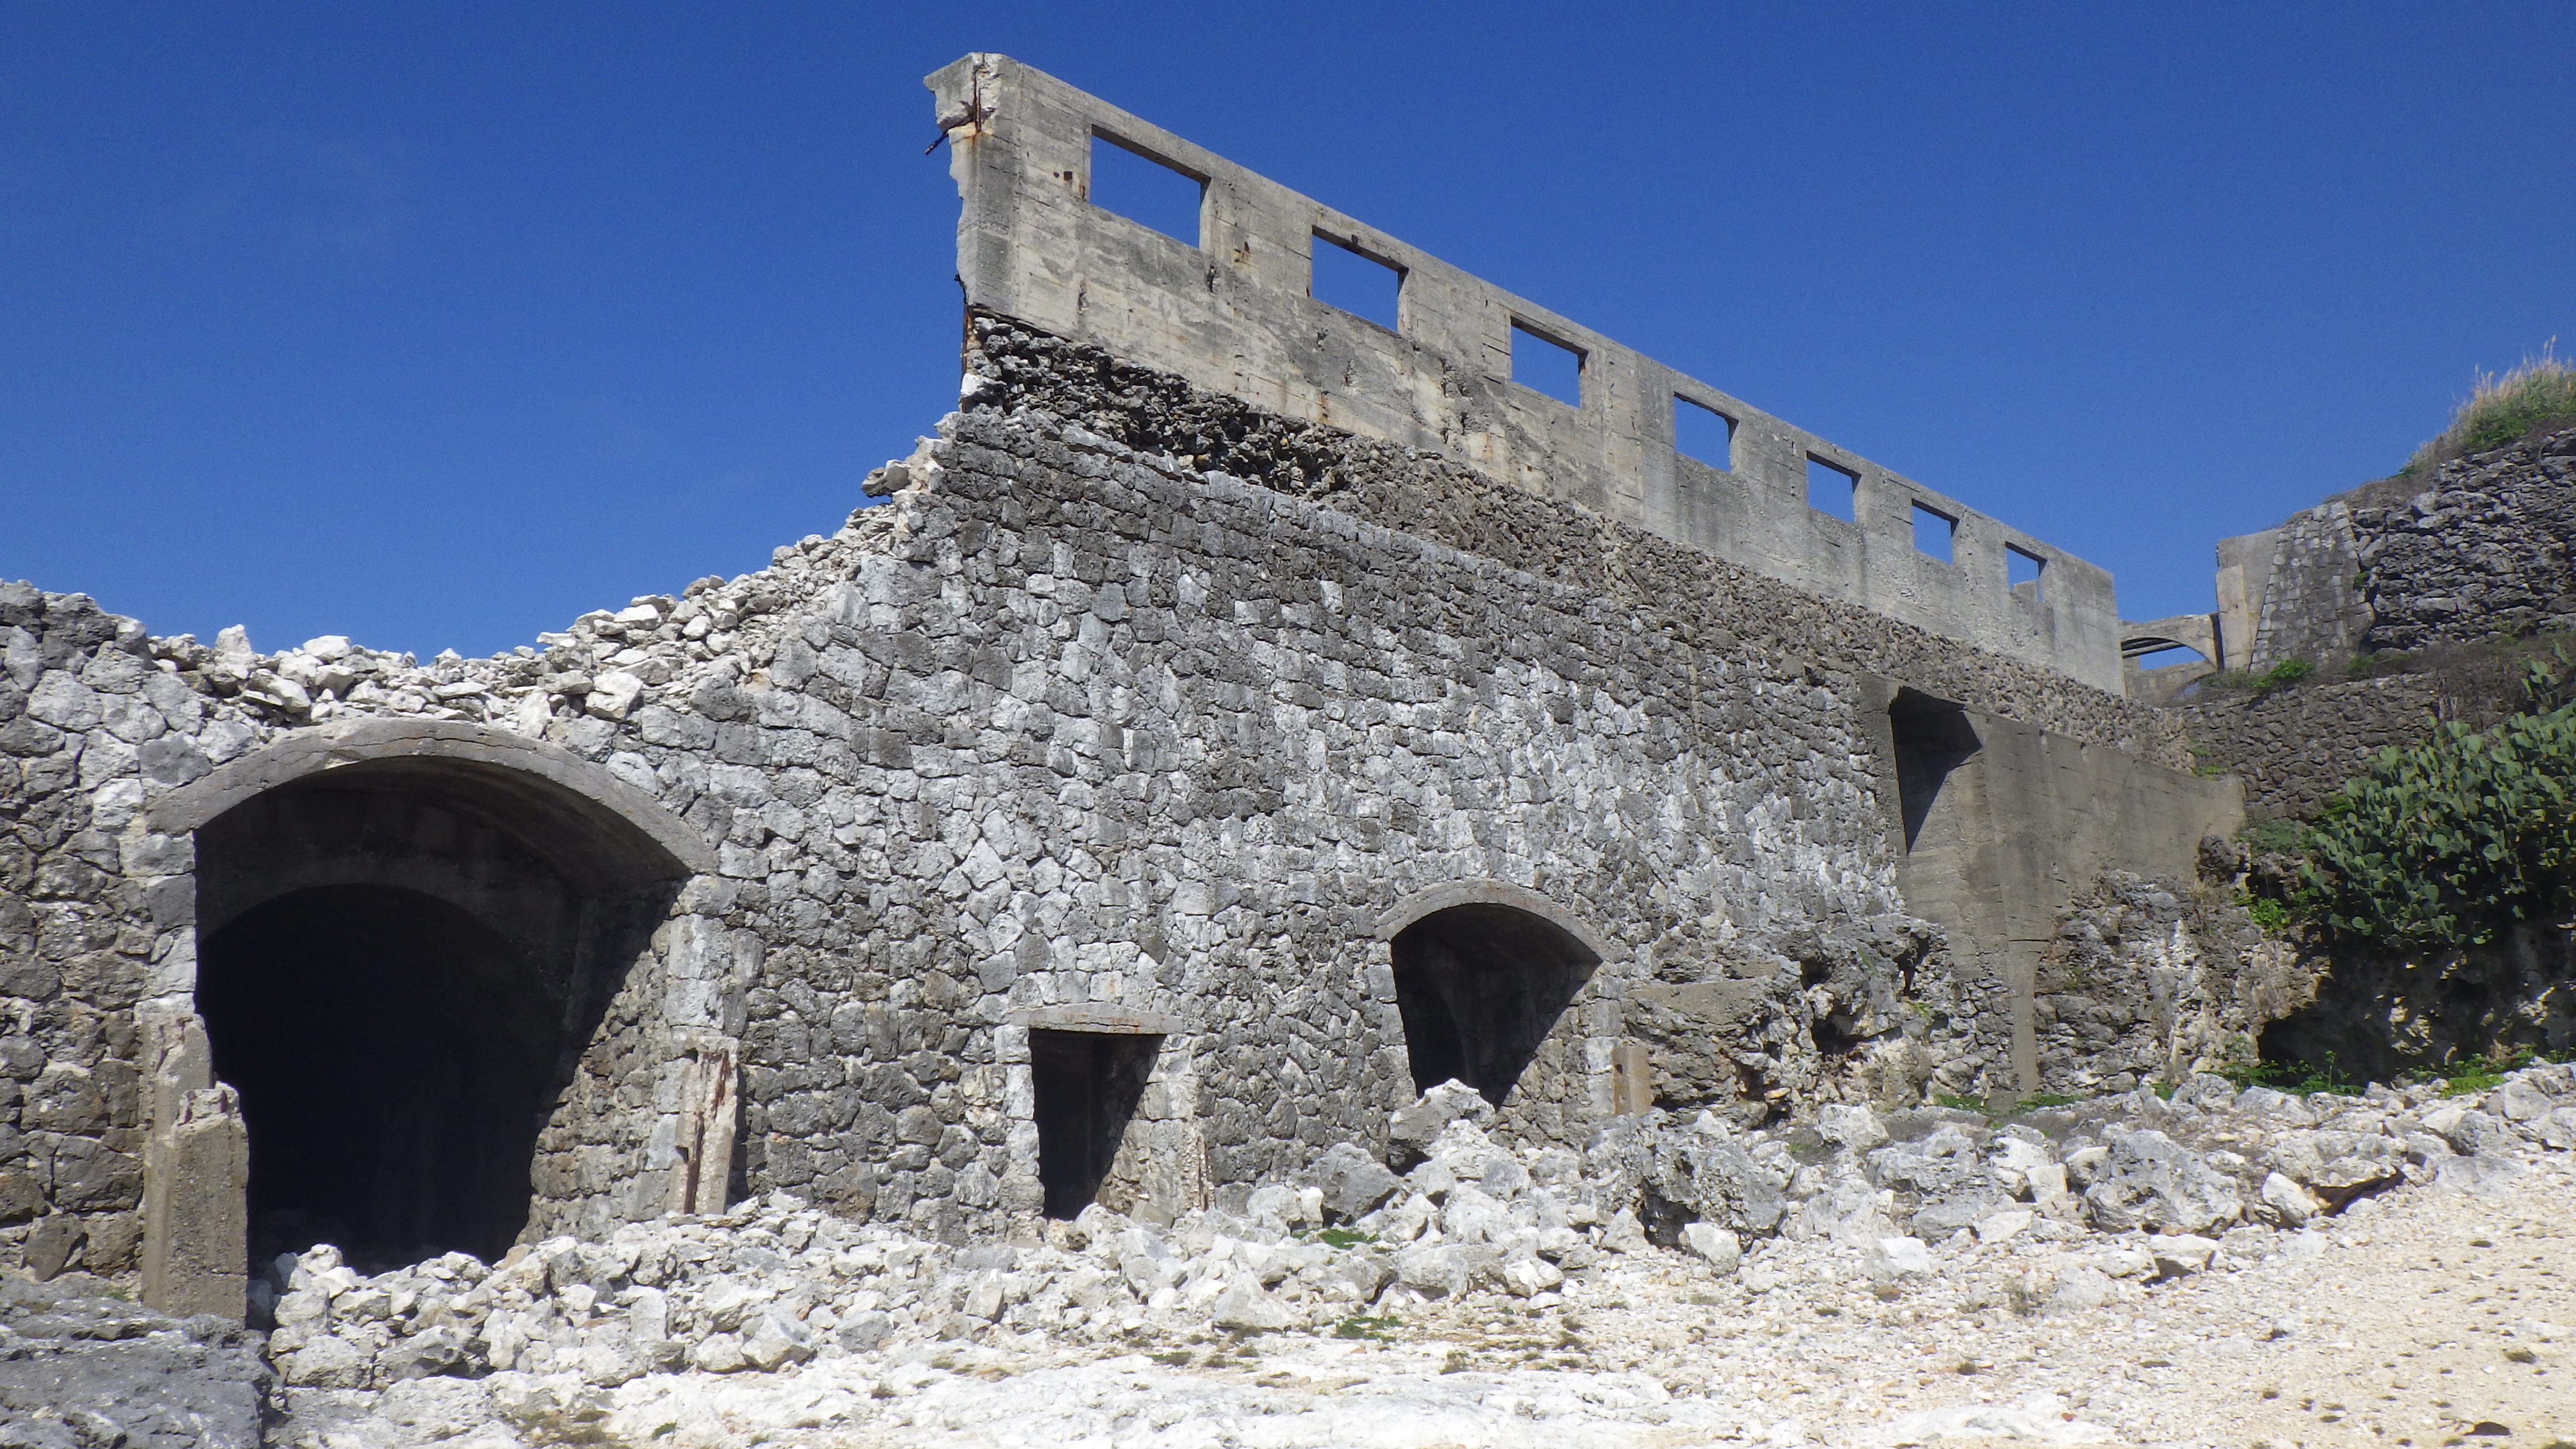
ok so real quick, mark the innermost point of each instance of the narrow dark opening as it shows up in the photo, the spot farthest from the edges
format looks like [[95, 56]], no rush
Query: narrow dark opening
[[1833, 490], [1343, 276], [2022, 571], [1087, 1085], [394, 1058], [1702, 432], [1542, 363], [1934, 531], [1933, 738], [1479, 987], [1145, 189]]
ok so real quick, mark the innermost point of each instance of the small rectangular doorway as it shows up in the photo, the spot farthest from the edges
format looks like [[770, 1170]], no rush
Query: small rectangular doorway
[[1087, 1085]]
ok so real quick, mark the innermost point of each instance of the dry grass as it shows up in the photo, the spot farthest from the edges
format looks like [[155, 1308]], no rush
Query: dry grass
[[2502, 408]]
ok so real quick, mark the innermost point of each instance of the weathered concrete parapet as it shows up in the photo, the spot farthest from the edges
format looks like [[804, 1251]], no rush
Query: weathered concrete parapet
[[1233, 314]]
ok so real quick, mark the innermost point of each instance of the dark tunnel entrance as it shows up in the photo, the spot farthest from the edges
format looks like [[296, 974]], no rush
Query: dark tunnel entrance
[[1087, 1085], [403, 964], [1479, 987], [394, 1057]]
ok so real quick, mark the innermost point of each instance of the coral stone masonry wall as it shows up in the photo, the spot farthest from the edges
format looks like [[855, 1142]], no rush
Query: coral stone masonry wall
[[1160, 790], [2481, 548], [1068, 738]]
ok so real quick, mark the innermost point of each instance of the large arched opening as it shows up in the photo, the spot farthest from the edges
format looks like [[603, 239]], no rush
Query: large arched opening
[[1480, 985], [394, 1056], [407, 944]]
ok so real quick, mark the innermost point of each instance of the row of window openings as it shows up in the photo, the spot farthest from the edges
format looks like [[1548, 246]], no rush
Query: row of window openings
[[1161, 197], [1835, 491], [1155, 194]]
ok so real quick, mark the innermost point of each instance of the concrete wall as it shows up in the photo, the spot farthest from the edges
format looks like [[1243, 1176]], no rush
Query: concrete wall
[[2003, 827], [1232, 313]]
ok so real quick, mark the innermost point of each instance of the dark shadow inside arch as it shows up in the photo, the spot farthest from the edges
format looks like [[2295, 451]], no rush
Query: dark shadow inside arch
[[1479, 987], [394, 1057], [400, 966]]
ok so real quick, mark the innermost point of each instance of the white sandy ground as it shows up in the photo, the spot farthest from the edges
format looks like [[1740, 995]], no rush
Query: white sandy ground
[[2423, 1318]]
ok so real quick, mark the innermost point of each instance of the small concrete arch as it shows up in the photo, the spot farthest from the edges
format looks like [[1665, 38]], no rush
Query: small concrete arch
[[1479, 891], [1484, 971], [533, 789], [2159, 639], [409, 935], [2195, 632]]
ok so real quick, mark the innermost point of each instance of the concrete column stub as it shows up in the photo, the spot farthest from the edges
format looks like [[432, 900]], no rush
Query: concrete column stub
[[196, 1154]]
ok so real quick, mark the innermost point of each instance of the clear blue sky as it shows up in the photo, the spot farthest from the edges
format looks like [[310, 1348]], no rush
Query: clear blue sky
[[437, 325]]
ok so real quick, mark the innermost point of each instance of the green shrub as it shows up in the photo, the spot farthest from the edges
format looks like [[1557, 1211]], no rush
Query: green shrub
[[2504, 408], [2297, 1078], [2288, 671], [2275, 836], [2269, 916], [2452, 841]]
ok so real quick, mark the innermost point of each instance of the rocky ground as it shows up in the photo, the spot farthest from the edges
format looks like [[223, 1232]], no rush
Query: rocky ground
[[2224, 1268], [2218, 1268]]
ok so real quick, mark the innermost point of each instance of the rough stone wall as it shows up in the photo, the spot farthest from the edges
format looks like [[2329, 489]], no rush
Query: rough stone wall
[[1079, 722], [2481, 549], [2147, 981], [2484, 551], [1705, 599], [2310, 607], [2295, 747]]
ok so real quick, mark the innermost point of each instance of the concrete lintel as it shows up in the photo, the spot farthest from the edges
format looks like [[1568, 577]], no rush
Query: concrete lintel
[[1101, 1017]]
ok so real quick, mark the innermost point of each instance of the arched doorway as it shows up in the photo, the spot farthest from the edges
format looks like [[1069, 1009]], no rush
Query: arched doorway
[[410, 938], [1480, 985]]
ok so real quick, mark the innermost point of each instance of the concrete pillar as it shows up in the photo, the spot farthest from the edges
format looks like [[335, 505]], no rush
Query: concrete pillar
[[196, 1172], [707, 1065]]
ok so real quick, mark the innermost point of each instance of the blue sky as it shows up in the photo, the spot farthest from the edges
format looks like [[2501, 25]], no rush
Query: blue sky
[[437, 325]]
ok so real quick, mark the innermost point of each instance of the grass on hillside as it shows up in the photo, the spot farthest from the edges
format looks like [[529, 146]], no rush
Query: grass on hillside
[[2503, 408]]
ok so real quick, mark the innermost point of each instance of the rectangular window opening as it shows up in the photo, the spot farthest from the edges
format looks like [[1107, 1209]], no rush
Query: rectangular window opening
[[1343, 276], [2022, 570], [1933, 738], [1702, 432], [1145, 188], [1934, 532], [1542, 363], [1086, 1086], [1833, 490]]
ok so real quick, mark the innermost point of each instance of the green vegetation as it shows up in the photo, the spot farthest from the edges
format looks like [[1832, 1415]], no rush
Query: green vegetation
[[2269, 916], [2450, 842], [2488, 1072], [2288, 671], [1342, 1237], [2537, 397], [2300, 1079], [1363, 1326], [2276, 836]]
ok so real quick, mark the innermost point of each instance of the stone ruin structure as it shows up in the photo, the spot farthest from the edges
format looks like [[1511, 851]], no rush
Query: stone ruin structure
[[1239, 718]]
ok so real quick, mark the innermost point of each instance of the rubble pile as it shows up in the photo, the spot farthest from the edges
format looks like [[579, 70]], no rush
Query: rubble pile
[[2204, 1181]]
